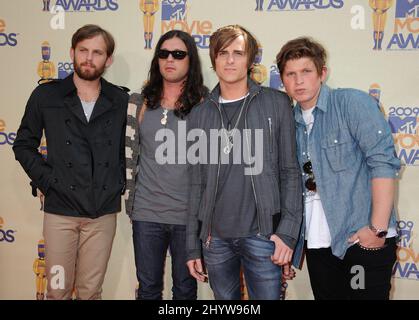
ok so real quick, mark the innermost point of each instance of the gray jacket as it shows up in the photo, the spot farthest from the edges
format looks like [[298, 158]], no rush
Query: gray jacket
[[277, 190]]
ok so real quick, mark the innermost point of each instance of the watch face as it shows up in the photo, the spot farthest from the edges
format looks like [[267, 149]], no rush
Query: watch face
[[381, 234]]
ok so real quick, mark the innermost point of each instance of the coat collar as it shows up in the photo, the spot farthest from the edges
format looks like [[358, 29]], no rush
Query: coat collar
[[71, 100], [321, 104]]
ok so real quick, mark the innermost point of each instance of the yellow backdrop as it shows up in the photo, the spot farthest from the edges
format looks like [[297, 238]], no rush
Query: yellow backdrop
[[373, 46]]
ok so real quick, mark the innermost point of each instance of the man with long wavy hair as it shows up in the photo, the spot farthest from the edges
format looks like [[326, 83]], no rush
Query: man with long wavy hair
[[157, 190]]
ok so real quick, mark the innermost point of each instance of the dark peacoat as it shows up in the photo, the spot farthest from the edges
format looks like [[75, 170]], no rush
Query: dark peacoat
[[83, 174]]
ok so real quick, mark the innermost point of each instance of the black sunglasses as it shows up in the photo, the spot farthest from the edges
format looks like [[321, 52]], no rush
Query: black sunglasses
[[176, 54], [310, 182]]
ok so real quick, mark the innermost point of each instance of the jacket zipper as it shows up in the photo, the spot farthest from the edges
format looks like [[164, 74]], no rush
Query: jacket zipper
[[251, 170], [207, 242], [270, 135]]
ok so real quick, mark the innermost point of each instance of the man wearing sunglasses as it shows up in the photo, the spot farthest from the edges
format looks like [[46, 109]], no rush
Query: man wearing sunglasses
[[157, 191], [346, 152], [234, 211]]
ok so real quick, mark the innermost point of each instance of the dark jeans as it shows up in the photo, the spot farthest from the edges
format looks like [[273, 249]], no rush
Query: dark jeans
[[361, 275], [224, 259], [151, 241]]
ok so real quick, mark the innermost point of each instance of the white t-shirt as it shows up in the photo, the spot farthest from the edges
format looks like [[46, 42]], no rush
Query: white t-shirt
[[317, 229]]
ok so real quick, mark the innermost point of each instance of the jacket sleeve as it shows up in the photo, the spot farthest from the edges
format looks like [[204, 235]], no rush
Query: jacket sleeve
[[131, 149], [124, 102], [289, 177], [27, 142], [193, 243]]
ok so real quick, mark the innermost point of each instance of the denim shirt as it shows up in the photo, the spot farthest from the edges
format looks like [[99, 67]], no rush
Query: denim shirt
[[350, 144]]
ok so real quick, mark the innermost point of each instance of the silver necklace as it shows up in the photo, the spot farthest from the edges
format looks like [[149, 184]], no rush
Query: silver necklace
[[163, 120], [228, 134]]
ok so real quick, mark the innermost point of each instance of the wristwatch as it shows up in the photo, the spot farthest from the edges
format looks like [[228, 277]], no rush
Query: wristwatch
[[380, 233]]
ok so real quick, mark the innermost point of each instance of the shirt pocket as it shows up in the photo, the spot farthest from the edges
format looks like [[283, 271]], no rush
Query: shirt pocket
[[339, 149]]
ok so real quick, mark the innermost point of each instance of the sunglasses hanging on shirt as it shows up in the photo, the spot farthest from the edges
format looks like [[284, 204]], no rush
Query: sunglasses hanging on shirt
[[310, 182]]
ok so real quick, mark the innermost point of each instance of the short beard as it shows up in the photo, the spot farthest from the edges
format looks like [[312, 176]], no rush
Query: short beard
[[88, 76]]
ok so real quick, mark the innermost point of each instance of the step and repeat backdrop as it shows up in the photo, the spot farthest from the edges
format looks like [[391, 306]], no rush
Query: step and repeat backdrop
[[373, 46]]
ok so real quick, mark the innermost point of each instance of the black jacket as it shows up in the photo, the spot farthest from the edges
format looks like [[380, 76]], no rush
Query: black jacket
[[83, 175], [277, 190]]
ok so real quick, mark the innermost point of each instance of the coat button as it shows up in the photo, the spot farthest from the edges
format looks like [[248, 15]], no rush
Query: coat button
[[106, 164], [68, 142], [55, 180], [104, 187], [69, 165], [72, 187], [67, 121]]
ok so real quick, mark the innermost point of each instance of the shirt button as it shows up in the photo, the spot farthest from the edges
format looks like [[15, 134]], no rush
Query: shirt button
[[335, 141], [304, 153], [380, 132]]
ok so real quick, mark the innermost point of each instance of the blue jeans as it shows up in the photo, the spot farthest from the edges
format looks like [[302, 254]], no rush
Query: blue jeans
[[151, 241], [224, 259]]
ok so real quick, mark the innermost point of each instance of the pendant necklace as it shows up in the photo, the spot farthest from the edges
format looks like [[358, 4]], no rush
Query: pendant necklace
[[163, 120], [228, 134]]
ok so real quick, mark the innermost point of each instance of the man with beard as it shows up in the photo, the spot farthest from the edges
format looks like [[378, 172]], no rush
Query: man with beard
[[81, 181]]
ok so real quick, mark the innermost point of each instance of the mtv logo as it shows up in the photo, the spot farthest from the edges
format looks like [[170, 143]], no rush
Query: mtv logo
[[405, 125], [407, 8], [404, 229], [173, 10]]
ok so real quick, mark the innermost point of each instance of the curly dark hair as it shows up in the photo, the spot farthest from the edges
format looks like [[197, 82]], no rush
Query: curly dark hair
[[193, 91]]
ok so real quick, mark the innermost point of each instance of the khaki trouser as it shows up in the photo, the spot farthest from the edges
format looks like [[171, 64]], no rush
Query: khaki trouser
[[77, 252]]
